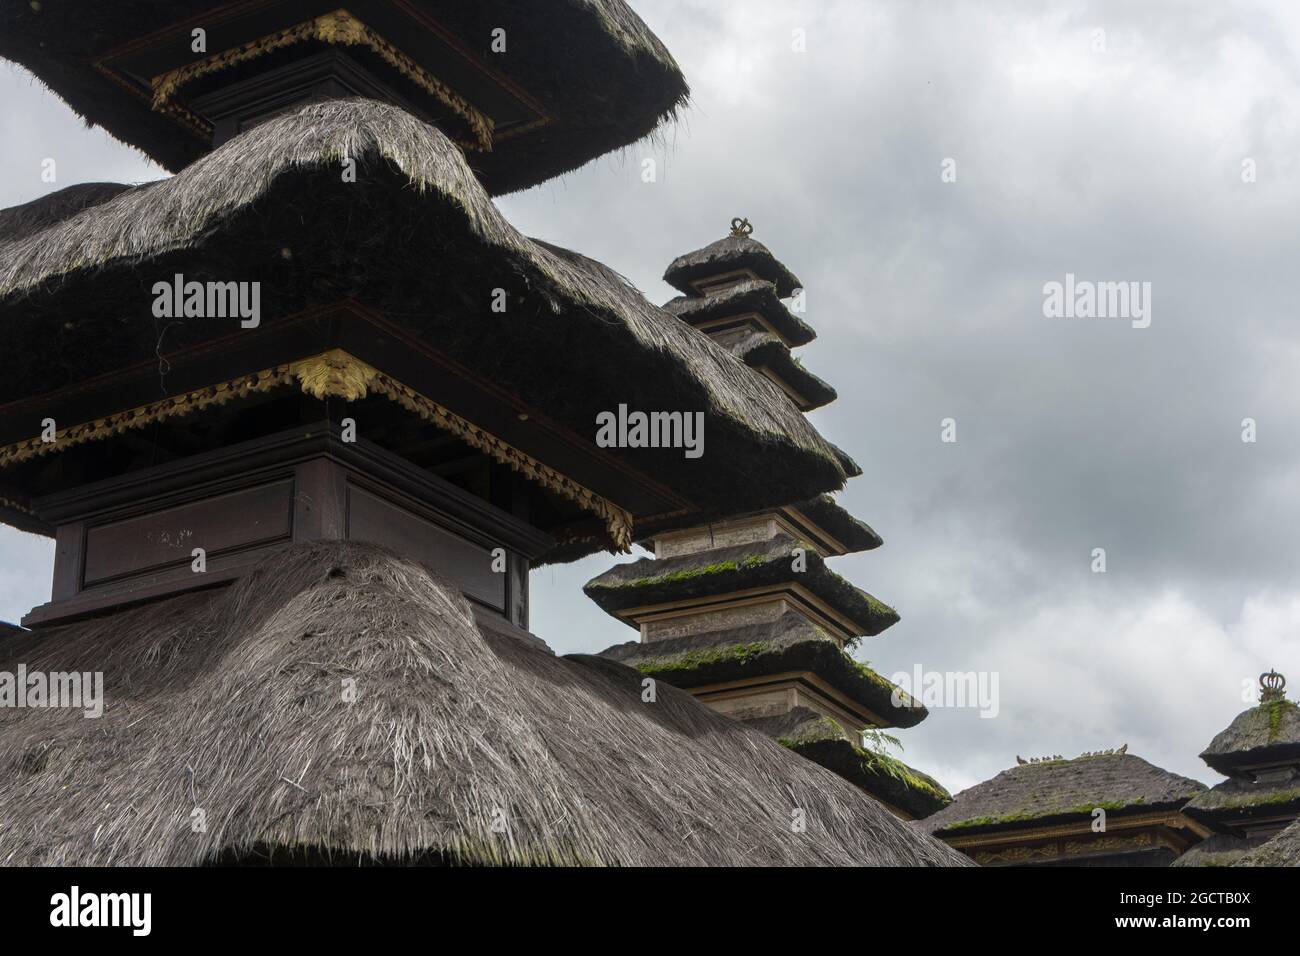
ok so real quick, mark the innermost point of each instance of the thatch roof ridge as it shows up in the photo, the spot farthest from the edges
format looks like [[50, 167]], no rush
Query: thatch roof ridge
[[29, 218], [182, 211], [1272, 727], [1060, 790], [232, 702]]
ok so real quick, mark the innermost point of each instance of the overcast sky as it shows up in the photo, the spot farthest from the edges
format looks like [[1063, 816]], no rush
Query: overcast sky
[[1115, 156]]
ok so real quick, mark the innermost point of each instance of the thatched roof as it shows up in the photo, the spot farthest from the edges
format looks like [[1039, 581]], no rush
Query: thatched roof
[[1266, 732], [789, 644], [849, 531], [822, 740], [593, 65], [416, 228], [1282, 850], [720, 571], [232, 702], [762, 350], [1059, 791], [1219, 849], [752, 295], [19, 222], [1238, 799], [728, 255]]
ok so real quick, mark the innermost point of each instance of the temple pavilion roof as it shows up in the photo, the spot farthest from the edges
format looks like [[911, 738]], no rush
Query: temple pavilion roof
[[739, 254], [478, 719], [1268, 733], [1059, 790], [77, 266]]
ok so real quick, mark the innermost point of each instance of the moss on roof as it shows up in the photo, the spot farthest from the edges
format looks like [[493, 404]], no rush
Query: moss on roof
[[1271, 728], [824, 741], [791, 643], [721, 571], [1061, 790]]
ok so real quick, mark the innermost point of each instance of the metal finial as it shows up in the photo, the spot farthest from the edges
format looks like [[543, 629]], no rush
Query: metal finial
[[741, 228], [1271, 686]]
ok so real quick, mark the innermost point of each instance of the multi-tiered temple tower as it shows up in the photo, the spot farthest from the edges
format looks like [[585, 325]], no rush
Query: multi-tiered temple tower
[[301, 417], [1259, 753], [744, 611]]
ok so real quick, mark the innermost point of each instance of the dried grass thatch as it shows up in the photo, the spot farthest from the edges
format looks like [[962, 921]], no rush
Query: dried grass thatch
[[1054, 791], [231, 701], [1262, 734], [428, 225], [732, 569], [594, 65], [751, 295], [762, 350], [727, 255], [1282, 850]]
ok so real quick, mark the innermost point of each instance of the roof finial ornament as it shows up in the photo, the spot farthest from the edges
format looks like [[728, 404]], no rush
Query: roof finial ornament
[[741, 228], [1271, 686]]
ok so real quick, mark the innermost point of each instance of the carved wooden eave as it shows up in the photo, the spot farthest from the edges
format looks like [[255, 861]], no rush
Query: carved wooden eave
[[339, 28], [1077, 840]]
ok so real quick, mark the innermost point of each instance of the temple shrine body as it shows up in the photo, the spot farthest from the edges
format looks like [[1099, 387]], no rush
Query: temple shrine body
[[294, 517]]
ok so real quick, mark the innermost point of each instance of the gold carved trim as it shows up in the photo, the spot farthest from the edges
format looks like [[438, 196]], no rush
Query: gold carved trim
[[337, 374], [15, 506], [334, 373], [167, 408], [339, 28]]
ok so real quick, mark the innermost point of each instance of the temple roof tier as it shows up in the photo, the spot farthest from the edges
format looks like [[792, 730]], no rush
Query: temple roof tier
[[531, 90], [1237, 801], [909, 792], [766, 353], [788, 645], [727, 260], [752, 303], [1267, 734], [75, 301], [752, 572]]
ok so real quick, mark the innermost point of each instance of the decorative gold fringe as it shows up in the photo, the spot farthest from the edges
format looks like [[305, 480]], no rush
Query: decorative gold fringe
[[15, 506], [617, 520], [339, 28], [338, 374], [159, 411]]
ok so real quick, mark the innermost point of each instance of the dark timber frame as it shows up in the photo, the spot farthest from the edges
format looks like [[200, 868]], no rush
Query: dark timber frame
[[130, 538]]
